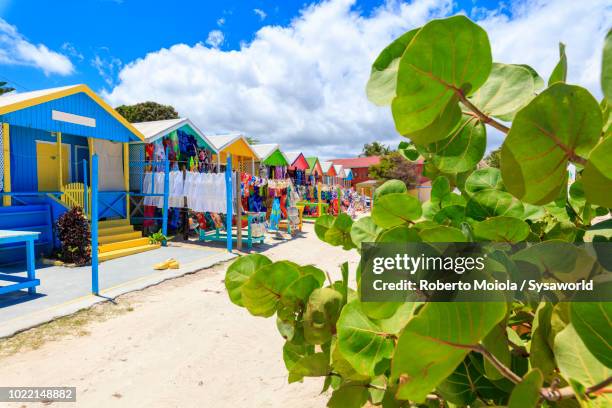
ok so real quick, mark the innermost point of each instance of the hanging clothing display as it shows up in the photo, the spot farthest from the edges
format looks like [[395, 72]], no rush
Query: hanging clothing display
[[176, 194], [205, 192], [153, 183]]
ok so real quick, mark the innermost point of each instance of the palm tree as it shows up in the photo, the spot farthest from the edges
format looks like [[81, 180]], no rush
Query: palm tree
[[5, 89]]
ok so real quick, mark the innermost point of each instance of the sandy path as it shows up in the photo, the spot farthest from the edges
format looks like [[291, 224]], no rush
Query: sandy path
[[183, 345]]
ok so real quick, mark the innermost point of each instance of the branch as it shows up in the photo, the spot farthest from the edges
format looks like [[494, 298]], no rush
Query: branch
[[481, 115], [505, 371], [552, 394]]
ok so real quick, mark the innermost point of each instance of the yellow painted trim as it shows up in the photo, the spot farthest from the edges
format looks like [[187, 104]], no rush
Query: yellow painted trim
[[6, 147], [67, 92], [60, 179]]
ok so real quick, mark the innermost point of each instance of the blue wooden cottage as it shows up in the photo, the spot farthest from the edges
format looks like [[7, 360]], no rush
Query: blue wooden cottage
[[47, 140]]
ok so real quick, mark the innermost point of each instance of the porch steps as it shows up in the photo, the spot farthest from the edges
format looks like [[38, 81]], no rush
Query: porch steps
[[117, 238]]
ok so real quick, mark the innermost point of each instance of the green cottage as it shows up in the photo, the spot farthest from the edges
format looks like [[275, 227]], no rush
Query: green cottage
[[273, 162]]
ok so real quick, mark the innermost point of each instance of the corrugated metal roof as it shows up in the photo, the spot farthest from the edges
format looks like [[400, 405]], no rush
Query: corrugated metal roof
[[13, 98], [325, 166], [339, 170], [292, 156], [13, 102], [156, 129], [222, 141], [265, 150]]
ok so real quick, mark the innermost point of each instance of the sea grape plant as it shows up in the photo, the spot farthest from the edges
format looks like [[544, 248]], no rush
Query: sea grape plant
[[445, 92]]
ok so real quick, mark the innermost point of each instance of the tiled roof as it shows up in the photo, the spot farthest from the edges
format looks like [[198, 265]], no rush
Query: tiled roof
[[356, 162]]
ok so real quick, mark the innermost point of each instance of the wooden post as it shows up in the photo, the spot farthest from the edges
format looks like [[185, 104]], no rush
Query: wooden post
[[6, 147], [252, 166], [126, 179], [85, 191], [94, 225], [238, 207], [166, 196], [319, 194], [60, 180], [228, 192]]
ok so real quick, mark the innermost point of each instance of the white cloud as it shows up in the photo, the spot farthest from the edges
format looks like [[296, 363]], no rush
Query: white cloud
[[220, 21], [107, 66], [303, 85], [71, 50], [15, 49], [215, 38], [262, 14]]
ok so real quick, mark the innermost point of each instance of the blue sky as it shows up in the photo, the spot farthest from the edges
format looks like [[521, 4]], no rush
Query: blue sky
[[290, 72], [119, 31]]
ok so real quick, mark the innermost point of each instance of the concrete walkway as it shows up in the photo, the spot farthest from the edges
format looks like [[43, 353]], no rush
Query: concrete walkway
[[65, 290]]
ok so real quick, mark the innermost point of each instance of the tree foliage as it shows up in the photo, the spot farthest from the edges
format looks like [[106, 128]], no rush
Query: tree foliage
[[5, 89], [394, 167], [375, 149], [146, 112], [444, 91]]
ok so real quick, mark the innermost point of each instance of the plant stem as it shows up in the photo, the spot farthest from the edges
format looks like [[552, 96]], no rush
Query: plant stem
[[481, 115], [551, 394]]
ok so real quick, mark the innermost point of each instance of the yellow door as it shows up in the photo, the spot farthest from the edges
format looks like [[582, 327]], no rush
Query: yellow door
[[48, 168]]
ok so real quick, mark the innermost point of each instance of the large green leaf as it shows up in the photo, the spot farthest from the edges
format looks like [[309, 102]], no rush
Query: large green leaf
[[492, 203], [399, 234], [576, 363], [313, 365], [446, 57], [433, 343], [364, 230], [314, 271], [383, 77], [395, 323], [536, 151], [467, 383], [396, 209], [526, 394], [508, 88], [322, 225], [462, 149], [239, 272], [538, 80], [483, 179], [262, 292], [597, 175], [361, 341], [389, 187], [300, 289], [293, 352], [540, 351], [339, 234], [593, 323], [350, 395], [496, 342], [559, 73], [502, 229], [442, 234], [322, 311], [606, 67]]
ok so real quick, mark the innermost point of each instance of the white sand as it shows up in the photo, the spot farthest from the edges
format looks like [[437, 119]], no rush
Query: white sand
[[184, 345]]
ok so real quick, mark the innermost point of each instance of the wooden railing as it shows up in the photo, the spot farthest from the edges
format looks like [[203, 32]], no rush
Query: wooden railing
[[74, 195]]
